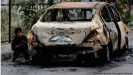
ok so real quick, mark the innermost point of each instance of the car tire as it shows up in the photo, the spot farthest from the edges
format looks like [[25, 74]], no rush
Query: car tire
[[41, 58], [126, 45], [34, 59], [105, 54]]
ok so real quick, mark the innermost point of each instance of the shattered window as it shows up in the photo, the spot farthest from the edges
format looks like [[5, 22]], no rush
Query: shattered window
[[80, 14], [60, 15], [105, 14], [116, 15], [47, 17]]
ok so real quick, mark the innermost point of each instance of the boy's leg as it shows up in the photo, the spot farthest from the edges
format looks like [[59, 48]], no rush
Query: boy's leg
[[26, 55], [15, 56]]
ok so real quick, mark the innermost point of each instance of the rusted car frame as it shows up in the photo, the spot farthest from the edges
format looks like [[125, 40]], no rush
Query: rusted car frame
[[101, 34]]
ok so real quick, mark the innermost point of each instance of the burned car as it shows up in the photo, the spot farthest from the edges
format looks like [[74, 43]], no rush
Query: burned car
[[67, 30]]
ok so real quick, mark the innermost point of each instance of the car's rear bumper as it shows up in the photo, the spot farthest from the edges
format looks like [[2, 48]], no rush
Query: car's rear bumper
[[68, 50]]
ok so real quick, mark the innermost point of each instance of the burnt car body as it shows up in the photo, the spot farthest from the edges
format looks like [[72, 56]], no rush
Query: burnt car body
[[68, 29]]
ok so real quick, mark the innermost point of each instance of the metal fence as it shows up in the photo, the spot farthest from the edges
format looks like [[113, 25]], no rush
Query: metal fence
[[11, 17]]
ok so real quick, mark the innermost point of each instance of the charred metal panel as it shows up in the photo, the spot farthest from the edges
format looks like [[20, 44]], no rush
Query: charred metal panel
[[75, 5], [90, 34]]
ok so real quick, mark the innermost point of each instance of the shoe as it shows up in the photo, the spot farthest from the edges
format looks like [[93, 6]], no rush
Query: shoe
[[27, 60], [13, 60]]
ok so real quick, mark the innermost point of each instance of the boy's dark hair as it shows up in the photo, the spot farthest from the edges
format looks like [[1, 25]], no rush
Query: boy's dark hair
[[17, 29]]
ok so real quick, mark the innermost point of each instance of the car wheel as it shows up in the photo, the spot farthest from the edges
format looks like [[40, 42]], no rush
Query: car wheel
[[41, 58], [126, 45], [34, 59], [105, 54]]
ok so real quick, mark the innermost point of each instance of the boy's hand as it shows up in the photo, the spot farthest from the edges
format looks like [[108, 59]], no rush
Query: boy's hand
[[21, 44], [17, 46], [23, 41]]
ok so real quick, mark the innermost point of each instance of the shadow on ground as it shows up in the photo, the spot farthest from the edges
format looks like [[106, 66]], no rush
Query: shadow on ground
[[126, 57]]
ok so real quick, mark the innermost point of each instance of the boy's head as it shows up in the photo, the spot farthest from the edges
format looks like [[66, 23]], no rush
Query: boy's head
[[18, 32]]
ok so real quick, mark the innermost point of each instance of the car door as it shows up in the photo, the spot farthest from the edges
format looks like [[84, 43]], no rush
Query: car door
[[121, 26], [115, 20], [110, 25]]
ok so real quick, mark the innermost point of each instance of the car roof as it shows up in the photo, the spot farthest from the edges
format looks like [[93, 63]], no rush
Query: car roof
[[66, 5]]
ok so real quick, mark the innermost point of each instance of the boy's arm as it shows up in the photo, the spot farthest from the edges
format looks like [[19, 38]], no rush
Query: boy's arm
[[13, 44], [23, 42]]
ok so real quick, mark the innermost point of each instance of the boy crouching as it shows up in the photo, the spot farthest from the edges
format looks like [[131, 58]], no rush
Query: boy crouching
[[19, 45]]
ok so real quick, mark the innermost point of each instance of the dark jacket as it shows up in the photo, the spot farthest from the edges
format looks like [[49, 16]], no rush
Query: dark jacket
[[19, 43]]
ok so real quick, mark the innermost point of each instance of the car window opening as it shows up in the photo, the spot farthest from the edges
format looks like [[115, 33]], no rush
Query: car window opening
[[61, 15]]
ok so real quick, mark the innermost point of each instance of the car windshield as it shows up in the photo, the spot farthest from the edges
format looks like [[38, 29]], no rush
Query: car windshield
[[61, 15]]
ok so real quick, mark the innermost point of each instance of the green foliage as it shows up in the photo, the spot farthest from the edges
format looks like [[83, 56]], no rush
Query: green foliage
[[4, 23], [4, 18], [70, 0], [124, 1], [28, 14], [123, 9], [130, 21], [28, 11]]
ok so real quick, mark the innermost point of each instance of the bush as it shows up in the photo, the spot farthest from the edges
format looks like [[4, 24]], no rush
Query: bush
[[123, 8]]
